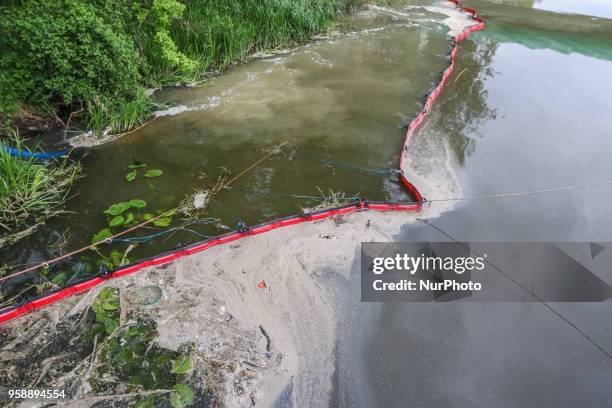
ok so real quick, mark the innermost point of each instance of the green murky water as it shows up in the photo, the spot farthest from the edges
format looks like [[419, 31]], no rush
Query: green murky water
[[339, 104]]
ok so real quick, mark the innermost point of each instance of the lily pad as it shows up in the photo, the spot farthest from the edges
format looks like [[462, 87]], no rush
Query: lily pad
[[131, 175], [137, 203], [101, 236], [116, 221], [148, 216], [128, 219], [153, 173], [162, 222], [137, 165], [117, 208], [181, 397], [60, 278]]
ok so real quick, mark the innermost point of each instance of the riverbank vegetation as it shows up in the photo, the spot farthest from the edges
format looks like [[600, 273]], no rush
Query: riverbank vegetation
[[31, 192], [91, 61], [105, 354]]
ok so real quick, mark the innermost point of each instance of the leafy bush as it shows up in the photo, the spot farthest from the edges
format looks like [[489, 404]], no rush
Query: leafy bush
[[58, 54], [98, 56], [157, 44], [64, 52]]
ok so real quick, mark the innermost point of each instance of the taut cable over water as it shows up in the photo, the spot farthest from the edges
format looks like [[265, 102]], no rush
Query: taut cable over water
[[526, 289]]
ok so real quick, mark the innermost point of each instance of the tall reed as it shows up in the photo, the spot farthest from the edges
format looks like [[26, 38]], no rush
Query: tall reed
[[217, 33]]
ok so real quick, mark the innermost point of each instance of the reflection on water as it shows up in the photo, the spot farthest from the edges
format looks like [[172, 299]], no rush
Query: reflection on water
[[530, 111], [597, 8]]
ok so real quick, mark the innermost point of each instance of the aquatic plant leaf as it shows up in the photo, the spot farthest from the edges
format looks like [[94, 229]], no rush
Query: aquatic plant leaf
[[106, 293], [153, 173], [136, 165], [59, 279], [110, 325], [181, 365], [101, 236], [128, 218], [131, 175], [106, 309], [148, 216], [117, 208], [116, 221], [138, 203], [182, 396], [148, 402], [113, 304], [115, 258], [162, 222]]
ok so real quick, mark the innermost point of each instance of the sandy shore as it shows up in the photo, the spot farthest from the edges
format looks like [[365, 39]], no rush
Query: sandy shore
[[215, 300], [295, 311], [294, 317]]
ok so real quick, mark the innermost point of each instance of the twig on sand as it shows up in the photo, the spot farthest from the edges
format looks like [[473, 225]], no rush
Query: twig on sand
[[174, 315], [265, 334]]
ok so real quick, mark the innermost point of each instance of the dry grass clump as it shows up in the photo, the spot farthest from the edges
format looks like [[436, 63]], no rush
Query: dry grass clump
[[195, 204], [329, 200]]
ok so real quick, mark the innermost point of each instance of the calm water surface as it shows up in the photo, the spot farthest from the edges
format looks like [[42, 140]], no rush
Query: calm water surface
[[531, 111]]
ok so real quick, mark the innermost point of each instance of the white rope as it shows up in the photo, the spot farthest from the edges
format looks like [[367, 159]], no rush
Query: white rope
[[524, 193]]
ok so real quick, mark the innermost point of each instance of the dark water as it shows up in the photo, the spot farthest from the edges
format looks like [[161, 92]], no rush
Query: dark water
[[531, 112]]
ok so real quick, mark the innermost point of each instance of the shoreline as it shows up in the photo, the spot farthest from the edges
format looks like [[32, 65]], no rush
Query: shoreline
[[282, 335], [277, 301]]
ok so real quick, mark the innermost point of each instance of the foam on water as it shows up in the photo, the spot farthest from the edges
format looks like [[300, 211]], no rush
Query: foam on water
[[432, 166], [455, 20], [213, 101]]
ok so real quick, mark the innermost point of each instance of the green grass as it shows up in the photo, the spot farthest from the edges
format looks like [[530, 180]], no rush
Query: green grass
[[118, 115], [217, 33], [30, 192]]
